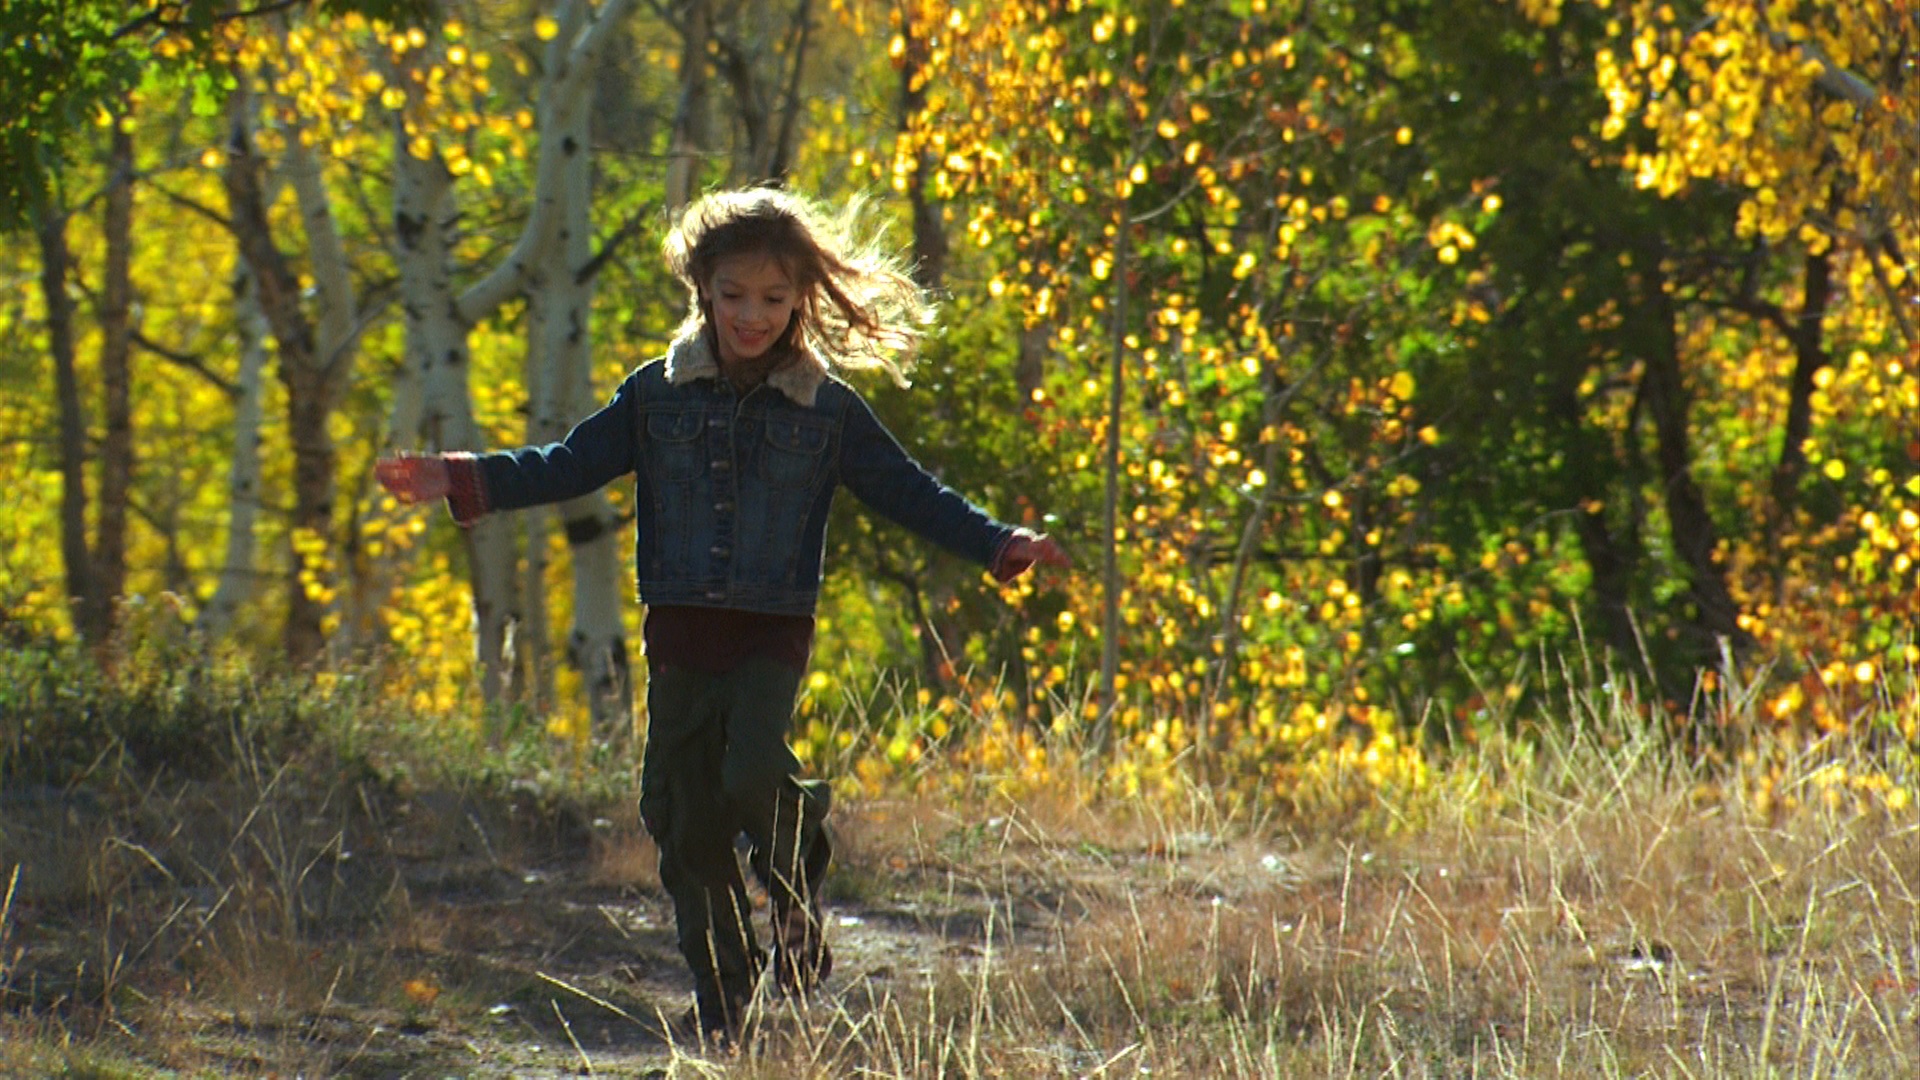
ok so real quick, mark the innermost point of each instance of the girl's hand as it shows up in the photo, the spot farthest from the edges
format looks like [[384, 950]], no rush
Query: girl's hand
[[414, 478], [1026, 549]]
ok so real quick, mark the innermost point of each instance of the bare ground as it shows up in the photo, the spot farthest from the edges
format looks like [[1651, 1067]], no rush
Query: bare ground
[[288, 926], [284, 929]]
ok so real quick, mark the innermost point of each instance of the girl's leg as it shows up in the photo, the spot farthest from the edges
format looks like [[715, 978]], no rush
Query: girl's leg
[[715, 934], [784, 818], [791, 863], [684, 810]]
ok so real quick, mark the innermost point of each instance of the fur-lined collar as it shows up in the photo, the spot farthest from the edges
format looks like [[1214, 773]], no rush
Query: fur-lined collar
[[691, 357]]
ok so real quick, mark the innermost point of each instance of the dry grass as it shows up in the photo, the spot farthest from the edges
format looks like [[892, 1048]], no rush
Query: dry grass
[[1580, 904], [1620, 926]]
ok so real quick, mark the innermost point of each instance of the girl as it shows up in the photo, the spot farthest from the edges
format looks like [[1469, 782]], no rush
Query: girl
[[737, 439]]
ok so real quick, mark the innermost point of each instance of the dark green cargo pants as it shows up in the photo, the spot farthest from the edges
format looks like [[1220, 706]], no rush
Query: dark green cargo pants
[[717, 765]]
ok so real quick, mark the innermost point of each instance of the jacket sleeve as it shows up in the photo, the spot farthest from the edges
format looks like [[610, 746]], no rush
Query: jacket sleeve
[[597, 451], [467, 488], [882, 475]]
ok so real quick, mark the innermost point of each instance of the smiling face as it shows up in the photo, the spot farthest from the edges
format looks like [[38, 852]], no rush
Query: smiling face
[[751, 301]]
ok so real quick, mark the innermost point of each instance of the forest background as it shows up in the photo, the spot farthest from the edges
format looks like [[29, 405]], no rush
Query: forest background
[[1373, 359], [1486, 433]]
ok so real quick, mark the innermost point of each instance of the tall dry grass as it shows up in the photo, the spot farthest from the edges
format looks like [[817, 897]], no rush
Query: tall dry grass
[[1586, 901], [1577, 897]]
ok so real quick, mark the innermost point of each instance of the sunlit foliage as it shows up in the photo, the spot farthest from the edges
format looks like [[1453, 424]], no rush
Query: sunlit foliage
[[1375, 317], [1808, 112]]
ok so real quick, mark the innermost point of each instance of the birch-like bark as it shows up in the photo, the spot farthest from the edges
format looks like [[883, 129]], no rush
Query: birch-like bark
[[314, 359], [437, 350], [561, 345], [439, 318], [561, 304], [565, 92], [338, 316], [235, 587], [534, 641]]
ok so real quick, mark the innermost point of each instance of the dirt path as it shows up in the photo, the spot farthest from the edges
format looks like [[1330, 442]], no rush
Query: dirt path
[[568, 965], [315, 934]]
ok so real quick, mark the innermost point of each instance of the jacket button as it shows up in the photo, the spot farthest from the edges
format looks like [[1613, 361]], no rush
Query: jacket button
[[722, 507], [721, 465], [720, 551]]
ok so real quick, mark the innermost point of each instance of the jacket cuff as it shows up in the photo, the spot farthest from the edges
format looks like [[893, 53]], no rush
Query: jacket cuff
[[467, 495]]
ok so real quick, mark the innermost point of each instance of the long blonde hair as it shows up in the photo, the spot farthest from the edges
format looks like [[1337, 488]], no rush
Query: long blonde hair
[[857, 308]]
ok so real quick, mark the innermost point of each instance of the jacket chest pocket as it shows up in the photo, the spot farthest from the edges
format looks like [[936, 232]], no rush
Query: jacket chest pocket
[[673, 445], [792, 452]]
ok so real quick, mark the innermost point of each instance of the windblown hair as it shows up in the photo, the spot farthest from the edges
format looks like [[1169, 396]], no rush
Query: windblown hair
[[856, 306]]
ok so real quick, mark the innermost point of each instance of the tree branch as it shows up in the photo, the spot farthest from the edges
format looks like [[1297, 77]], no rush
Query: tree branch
[[193, 205], [189, 361], [607, 250], [563, 95]]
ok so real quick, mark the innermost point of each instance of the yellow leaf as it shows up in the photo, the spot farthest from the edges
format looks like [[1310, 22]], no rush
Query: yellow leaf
[[546, 28], [421, 991]]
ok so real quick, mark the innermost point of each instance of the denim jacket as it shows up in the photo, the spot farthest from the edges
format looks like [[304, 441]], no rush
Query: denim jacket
[[732, 491]]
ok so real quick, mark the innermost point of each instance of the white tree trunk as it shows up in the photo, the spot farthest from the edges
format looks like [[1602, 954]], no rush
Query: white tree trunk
[[534, 640], [439, 317], [565, 91], [437, 353], [560, 304], [332, 270], [336, 325], [237, 572]]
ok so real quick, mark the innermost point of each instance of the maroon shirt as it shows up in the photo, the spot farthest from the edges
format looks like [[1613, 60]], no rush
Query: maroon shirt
[[714, 641]]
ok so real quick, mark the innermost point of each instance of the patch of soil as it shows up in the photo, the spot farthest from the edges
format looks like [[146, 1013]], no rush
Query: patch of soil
[[352, 932]]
